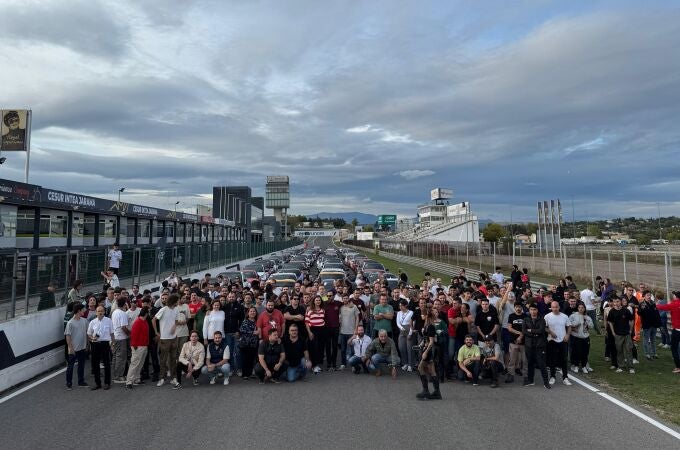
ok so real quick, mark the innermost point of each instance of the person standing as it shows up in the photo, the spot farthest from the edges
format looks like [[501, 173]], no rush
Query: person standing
[[115, 256], [119, 345], [581, 324], [674, 309], [349, 320], [316, 330], [332, 319], [100, 334], [621, 323], [165, 327], [76, 342], [588, 299], [559, 330], [214, 321], [248, 342], [233, 316], [382, 314], [406, 335], [428, 358], [139, 344], [535, 343], [651, 321], [517, 362]]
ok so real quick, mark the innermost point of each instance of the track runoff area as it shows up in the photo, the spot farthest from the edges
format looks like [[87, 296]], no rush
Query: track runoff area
[[331, 409]]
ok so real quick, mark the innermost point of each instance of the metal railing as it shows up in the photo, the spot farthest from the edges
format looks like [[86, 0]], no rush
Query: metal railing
[[26, 274]]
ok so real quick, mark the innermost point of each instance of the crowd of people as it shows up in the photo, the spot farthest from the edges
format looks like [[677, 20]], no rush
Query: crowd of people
[[492, 329]]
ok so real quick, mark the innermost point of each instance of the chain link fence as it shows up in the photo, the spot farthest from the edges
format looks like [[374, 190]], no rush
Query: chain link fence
[[658, 269]]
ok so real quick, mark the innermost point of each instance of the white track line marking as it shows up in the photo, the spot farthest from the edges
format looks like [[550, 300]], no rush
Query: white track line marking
[[32, 385], [628, 408]]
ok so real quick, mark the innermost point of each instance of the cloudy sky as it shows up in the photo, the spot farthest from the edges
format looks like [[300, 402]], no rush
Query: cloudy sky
[[366, 105]]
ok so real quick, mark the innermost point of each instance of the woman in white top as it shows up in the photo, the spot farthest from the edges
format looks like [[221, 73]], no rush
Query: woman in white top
[[581, 324], [406, 335], [214, 321]]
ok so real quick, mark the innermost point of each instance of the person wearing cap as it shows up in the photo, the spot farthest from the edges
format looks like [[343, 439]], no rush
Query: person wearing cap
[[76, 342], [534, 332], [674, 309], [469, 357], [491, 359]]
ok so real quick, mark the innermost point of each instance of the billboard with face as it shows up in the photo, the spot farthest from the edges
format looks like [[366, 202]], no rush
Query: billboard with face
[[14, 126]]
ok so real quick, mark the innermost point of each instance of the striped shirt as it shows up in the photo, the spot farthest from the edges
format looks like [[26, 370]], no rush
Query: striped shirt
[[315, 318]]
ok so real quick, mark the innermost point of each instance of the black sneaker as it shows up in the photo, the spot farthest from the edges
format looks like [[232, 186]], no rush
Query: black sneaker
[[436, 395], [510, 379], [139, 383], [518, 372], [94, 388], [276, 381], [128, 387], [177, 386], [69, 387], [547, 385], [83, 385]]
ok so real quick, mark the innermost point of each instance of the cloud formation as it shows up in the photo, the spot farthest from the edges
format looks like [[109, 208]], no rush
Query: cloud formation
[[365, 106]]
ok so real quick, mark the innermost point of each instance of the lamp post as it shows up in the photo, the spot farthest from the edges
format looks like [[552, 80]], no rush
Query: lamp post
[[119, 192], [176, 203]]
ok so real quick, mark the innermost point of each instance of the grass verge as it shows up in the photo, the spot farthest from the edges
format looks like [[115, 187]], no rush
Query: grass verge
[[653, 386]]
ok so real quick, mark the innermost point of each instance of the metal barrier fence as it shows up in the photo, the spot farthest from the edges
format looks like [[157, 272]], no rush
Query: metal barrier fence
[[25, 275], [583, 263]]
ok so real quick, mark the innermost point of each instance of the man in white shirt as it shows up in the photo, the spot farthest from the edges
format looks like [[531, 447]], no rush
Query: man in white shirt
[[359, 343], [588, 299], [558, 328], [100, 334], [115, 257], [165, 327], [498, 276], [119, 345]]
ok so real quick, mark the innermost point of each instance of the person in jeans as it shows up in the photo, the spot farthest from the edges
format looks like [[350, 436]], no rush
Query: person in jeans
[[76, 343], [651, 321], [406, 336], [165, 327], [332, 319], [517, 361], [621, 321], [491, 359], [349, 320], [100, 334], [217, 359], [358, 344], [139, 344], [382, 350], [297, 356]]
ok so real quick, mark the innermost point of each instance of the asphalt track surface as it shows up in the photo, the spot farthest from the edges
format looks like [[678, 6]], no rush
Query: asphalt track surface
[[329, 410]]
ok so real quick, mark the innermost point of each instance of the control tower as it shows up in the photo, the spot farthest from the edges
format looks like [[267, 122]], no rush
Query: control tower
[[277, 198]]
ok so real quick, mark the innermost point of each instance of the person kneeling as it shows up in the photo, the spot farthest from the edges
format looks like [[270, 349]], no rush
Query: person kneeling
[[468, 361], [358, 343], [491, 364], [190, 360], [297, 355], [382, 351], [217, 359], [271, 358]]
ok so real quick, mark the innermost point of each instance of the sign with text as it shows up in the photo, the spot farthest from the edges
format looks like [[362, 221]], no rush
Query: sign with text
[[316, 233], [387, 220], [15, 127]]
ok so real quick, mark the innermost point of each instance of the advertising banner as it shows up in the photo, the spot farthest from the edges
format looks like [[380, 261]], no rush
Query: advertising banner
[[15, 126]]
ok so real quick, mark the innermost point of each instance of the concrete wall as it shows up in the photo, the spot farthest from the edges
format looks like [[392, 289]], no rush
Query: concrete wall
[[33, 344]]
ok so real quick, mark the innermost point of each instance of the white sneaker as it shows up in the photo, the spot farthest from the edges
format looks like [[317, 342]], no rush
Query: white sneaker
[[342, 367], [226, 381], [612, 367], [607, 358], [635, 361], [174, 381], [619, 370], [574, 369], [552, 380], [631, 371], [409, 369], [666, 346], [212, 380], [558, 370], [161, 382], [590, 369], [404, 367], [585, 370], [566, 382]]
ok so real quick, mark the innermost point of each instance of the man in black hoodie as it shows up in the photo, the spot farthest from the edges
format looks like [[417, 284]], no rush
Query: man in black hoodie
[[535, 343]]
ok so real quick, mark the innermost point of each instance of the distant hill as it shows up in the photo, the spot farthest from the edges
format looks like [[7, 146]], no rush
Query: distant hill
[[362, 218]]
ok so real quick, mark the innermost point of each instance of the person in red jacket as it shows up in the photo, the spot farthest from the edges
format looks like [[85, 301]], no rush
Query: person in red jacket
[[139, 342], [270, 318], [674, 308]]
